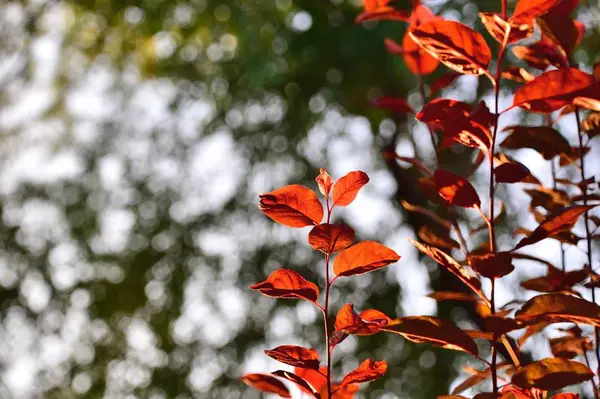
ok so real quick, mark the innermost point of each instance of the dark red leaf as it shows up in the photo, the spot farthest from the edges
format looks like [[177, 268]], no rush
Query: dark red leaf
[[285, 283], [394, 104], [492, 265], [511, 172], [544, 139], [559, 308], [551, 374], [455, 189]]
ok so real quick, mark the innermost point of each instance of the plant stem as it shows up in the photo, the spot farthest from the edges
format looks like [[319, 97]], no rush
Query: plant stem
[[588, 236], [326, 310]]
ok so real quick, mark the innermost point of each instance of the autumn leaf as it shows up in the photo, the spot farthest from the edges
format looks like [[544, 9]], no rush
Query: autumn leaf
[[324, 182], [443, 81], [557, 308], [437, 237], [452, 296], [347, 187], [301, 382], [448, 263], [435, 331], [394, 104], [456, 45], [552, 90], [551, 374], [540, 55], [330, 238], [368, 322], [561, 221], [501, 325], [561, 31], [511, 172], [382, 14], [517, 74], [363, 257], [285, 283], [295, 356], [544, 139], [417, 60], [455, 189], [293, 206], [497, 27], [492, 265], [266, 383], [568, 347], [318, 380], [368, 370], [527, 10]]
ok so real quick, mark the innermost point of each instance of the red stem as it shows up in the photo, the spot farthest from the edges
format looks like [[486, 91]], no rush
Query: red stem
[[326, 309]]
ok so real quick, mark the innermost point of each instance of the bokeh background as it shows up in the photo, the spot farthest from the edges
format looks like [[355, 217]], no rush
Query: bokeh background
[[135, 137]]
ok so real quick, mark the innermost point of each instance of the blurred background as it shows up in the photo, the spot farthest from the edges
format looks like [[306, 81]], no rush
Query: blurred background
[[135, 137]]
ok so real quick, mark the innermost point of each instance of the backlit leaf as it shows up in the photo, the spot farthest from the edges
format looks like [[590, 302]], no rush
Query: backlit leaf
[[417, 60], [527, 10], [561, 31], [266, 383], [552, 90], [298, 381], [330, 238], [557, 308], [295, 356], [452, 296], [561, 221], [324, 182], [443, 82], [368, 370], [285, 283], [456, 45], [346, 188], [437, 237], [293, 206], [497, 27], [569, 347], [368, 322], [551, 374], [492, 265], [363, 257], [394, 104], [541, 55], [511, 172], [544, 139], [435, 331], [455, 189]]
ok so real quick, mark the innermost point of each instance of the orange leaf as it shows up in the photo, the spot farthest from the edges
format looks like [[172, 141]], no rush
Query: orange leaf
[[293, 206], [301, 382], [541, 55], [315, 378], [455, 189], [558, 308], [456, 45], [437, 238], [363, 257], [497, 27], [324, 182], [452, 296], [566, 396], [347, 187], [295, 356], [544, 139], [562, 220], [266, 383], [383, 13], [552, 90], [417, 60], [448, 263], [285, 283], [435, 331], [551, 373], [367, 322], [527, 10], [330, 238], [369, 370]]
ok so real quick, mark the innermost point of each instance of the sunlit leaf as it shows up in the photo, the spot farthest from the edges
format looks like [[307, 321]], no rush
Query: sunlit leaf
[[417, 60], [295, 356], [330, 238], [301, 382], [557, 308], [266, 383], [561, 221], [591, 124], [456, 45], [561, 31], [285, 283], [569, 347], [551, 373], [527, 10], [497, 27], [363, 257], [324, 182], [346, 188], [552, 90], [368, 370], [368, 322], [540, 55], [455, 189], [293, 206], [435, 331], [437, 237], [517, 74]]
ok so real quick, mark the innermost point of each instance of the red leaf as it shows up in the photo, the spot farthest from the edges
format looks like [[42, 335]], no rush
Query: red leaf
[[492, 265], [383, 13], [285, 283], [293, 206], [551, 374], [330, 238], [435, 331], [559, 308], [443, 81], [368, 322], [456, 45], [347, 187], [552, 90], [456, 190], [561, 31], [566, 396], [363, 257], [369, 370], [559, 222], [301, 382], [544, 139], [394, 104], [527, 10], [295, 356], [417, 60], [541, 55], [393, 47], [324, 182], [266, 383], [511, 172], [497, 27]]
